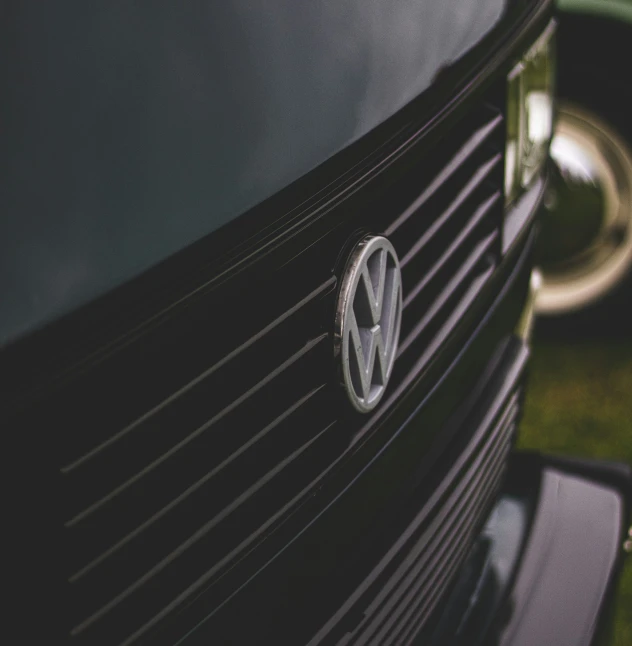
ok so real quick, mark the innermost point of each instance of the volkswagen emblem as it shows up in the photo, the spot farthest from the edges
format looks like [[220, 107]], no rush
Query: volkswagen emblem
[[368, 319]]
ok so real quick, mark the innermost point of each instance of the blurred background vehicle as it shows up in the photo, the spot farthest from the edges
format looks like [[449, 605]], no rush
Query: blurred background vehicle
[[585, 244]]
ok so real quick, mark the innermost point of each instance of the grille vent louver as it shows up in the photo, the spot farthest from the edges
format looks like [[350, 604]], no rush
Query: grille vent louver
[[173, 468]]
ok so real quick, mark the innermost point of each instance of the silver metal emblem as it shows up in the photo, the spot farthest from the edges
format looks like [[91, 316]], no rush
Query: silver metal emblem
[[368, 319]]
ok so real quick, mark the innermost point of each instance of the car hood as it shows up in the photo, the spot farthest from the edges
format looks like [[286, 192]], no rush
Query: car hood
[[134, 129]]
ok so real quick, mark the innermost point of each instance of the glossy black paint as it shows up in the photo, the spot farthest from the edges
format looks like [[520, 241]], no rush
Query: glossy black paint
[[69, 385], [135, 131], [133, 476], [102, 171]]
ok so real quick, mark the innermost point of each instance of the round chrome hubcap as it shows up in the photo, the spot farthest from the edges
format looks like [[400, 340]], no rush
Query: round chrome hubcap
[[585, 246]]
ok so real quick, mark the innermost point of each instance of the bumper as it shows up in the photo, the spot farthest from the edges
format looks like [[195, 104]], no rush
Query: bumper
[[571, 562], [546, 567]]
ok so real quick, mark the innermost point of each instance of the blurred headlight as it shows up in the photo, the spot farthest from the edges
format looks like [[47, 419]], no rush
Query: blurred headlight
[[530, 95]]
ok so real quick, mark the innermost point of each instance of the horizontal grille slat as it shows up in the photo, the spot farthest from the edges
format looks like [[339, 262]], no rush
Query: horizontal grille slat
[[455, 286], [259, 336], [453, 522], [461, 238], [448, 242], [199, 582], [426, 575], [423, 608], [466, 192], [200, 533], [404, 587], [448, 559], [205, 427], [197, 485], [161, 600], [122, 386], [461, 157]]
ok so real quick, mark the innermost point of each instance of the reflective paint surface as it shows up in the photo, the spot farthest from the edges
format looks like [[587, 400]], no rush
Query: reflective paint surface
[[134, 131]]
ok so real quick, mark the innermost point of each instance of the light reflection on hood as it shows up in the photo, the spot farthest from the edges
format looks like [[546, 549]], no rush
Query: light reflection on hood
[[136, 130]]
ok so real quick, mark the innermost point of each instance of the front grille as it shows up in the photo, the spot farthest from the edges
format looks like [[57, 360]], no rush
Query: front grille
[[447, 240], [189, 443], [395, 600]]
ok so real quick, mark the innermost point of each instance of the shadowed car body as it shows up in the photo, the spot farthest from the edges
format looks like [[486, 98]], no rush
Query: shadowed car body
[[169, 372]]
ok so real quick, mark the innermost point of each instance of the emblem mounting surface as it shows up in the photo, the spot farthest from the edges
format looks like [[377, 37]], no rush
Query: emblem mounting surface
[[368, 319]]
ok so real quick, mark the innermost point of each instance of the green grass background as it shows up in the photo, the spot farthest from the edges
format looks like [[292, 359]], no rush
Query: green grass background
[[579, 402]]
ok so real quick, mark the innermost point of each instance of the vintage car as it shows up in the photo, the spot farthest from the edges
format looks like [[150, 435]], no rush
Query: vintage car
[[267, 291], [586, 231]]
